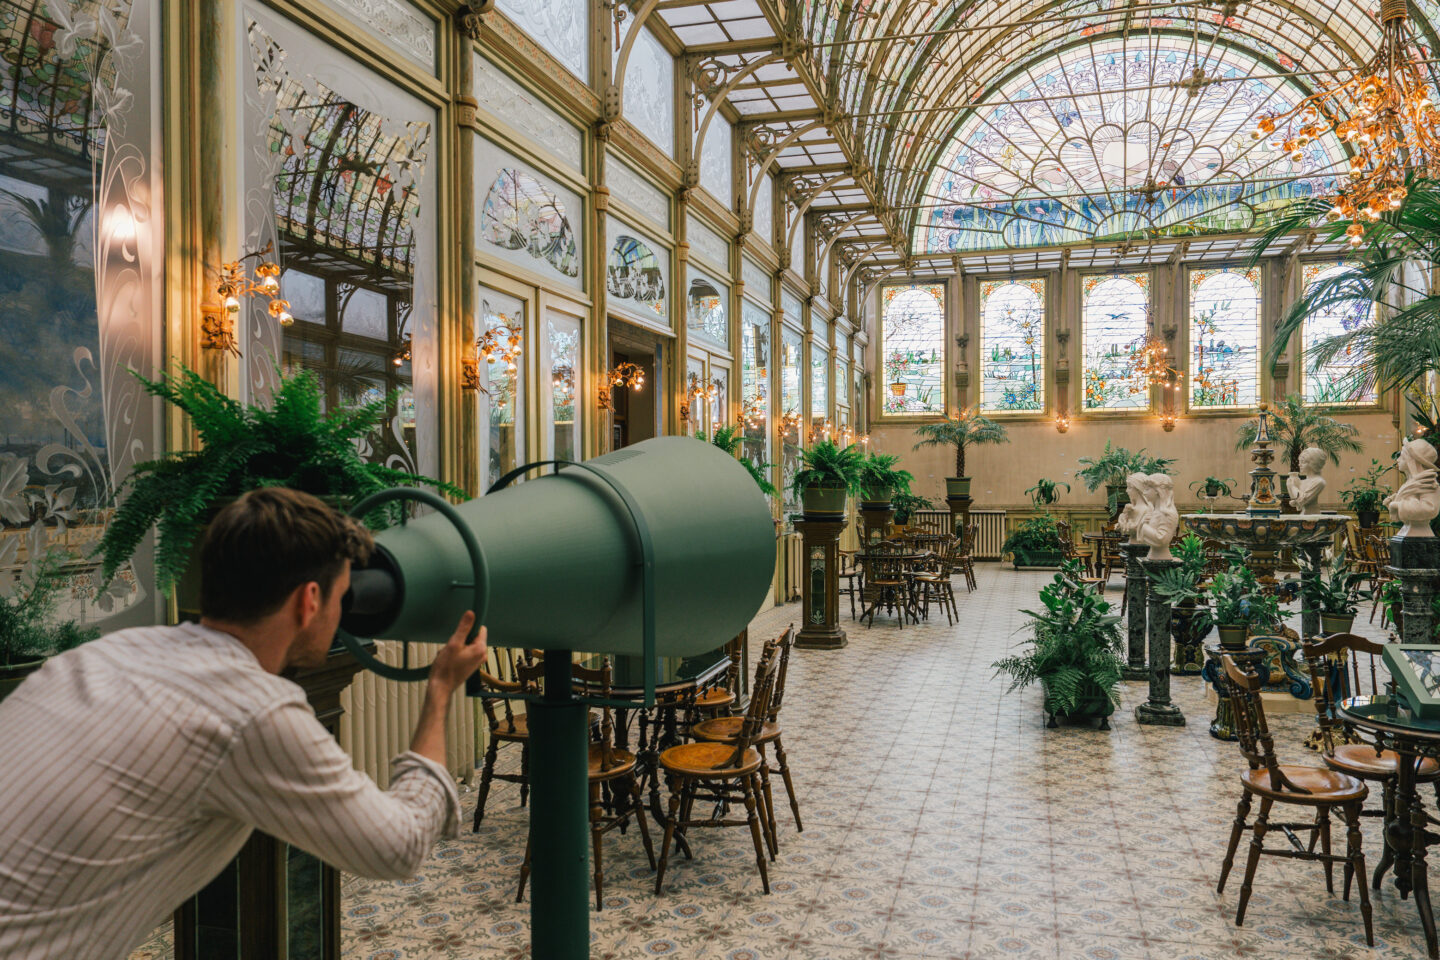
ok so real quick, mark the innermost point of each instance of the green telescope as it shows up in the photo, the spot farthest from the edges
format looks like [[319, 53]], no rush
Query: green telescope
[[555, 562]]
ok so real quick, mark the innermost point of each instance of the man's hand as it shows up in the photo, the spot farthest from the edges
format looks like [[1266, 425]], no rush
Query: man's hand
[[458, 658]]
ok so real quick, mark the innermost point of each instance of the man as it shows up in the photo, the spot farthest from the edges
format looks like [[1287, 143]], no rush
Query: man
[[133, 768]]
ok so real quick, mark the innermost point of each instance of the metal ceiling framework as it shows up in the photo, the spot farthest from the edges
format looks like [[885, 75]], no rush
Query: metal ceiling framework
[[855, 103]]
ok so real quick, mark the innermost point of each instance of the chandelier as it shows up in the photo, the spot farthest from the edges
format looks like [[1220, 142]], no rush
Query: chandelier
[[1150, 360], [1389, 122]]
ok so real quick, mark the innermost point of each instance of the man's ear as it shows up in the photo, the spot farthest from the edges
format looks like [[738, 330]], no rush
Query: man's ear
[[306, 601]]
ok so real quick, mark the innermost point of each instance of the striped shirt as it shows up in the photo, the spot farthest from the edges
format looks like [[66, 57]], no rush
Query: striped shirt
[[133, 769]]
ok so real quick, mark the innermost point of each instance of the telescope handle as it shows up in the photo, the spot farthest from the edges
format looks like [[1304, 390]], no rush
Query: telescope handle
[[479, 581]]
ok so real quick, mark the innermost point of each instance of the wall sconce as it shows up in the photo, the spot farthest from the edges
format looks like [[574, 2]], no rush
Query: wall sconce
[[695, 391], [217, 326], [626, 375], [790, 423], [753, 413], [820, 431], [402, 356], [1062, 422], [496, 345], [1167, 420]]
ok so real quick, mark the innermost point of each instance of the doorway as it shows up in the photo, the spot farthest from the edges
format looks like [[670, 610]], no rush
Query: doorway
[[635, 413]]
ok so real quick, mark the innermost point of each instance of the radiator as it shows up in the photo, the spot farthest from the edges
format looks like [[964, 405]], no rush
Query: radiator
[[794, 566], [989, 533], [380, 717]]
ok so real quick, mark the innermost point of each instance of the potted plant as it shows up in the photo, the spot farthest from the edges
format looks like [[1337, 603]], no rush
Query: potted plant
[[1112, 467], [1035, 542], [1214, 487], [1333, 590], [1074, 651], [905, 505], [729, 440], [829, 472], [1183, 587], [29, 634], [293, 442], [880, 479], [1237, 603], [966, 428], [1365, 496], [1046, 493], [1294, 425]]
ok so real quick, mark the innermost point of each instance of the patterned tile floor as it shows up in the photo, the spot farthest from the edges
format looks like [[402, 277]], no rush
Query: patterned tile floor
[[942, 819]]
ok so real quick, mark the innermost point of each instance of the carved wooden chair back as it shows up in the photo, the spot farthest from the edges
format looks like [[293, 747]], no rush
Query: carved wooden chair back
[[596, 682], [784, 644], [1242, 687], [761, 693], [504, 678], [1342, 665]]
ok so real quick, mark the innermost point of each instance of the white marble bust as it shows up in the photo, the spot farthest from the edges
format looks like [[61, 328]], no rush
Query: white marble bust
[[1134, 512], [1417, 501], [1161, 520], [1306, 486]]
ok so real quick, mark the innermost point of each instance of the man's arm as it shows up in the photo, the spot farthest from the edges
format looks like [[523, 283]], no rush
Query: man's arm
[[458, 659]]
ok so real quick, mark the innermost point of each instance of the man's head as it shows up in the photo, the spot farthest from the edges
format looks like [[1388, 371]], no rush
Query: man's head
[[281, 557]]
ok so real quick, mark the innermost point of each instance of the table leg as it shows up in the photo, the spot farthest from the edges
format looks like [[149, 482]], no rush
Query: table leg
[[1398, 830], [1419, 882], [1387, 854]]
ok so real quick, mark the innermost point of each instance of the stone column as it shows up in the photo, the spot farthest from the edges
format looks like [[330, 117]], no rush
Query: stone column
[[1415, 562], [1136, 591], [1158, 710], [820, 602]]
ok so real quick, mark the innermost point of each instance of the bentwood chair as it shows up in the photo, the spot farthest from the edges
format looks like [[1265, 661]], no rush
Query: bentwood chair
[[612, 772], [718, 700], [935, 584], [850, 577], [723, 773], [965, 558], [1322, 789], [504, 727], [885, 582], [727, 729]]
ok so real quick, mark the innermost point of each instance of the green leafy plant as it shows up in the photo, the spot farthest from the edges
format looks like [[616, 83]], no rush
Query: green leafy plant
[[1033, 539], [1075, 645], [906, 504], [729, 439], [1115, 464], [294, 442], [879, 473], [967, 428], [1237, 597], [1333, 588], [827, 464], [1295, 426], [1364, 494], [1184, 586], [28, 630], [1046, 492], [1222, 488]]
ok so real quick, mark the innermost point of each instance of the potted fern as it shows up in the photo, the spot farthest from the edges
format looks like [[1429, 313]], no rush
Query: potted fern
[[829, 472], [1074, 651], [1365, 496], [880, 479], [1183, 588], [1215, 487], [968, 428], [906, 504], [1034, 543], [729, 440], [294, 442], [29, 633]]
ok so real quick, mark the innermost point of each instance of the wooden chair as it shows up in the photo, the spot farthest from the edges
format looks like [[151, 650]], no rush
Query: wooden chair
[[726, 772], [885, 581], [726, 729], [1317, 787], [720, 699], [1110, 560], [934, 584], [1336, 674], [850, 576], [965, 558], [612, 770], [507, 727], [1070, 551], [1373, 561]]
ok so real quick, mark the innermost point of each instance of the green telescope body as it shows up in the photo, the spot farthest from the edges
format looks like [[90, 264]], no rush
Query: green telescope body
[[560, 560]]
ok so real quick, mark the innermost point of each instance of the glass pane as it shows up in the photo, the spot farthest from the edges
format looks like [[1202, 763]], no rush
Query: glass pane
[[1113, 322], [912, 341], [363, 313], [842, 382], [636, 274], [720, 406], [694, 394], [790, 342], [1224, 338], [819, 382], [502, 418], [1341, 380], [564, 337], [706, 312], [561, 26], [1012, 344], [755, 383]]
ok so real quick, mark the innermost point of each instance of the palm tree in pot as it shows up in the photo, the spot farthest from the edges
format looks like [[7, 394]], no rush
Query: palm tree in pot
[[969, 427], [1295, 426]]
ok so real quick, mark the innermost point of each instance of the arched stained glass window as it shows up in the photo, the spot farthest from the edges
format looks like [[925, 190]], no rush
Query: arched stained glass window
[[1340, 380], [912, 343], [1224, 338], [1113, 326], [1012, 344]]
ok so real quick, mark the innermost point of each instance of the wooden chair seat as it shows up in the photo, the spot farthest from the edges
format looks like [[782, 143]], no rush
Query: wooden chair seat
[[1322, 785], [513, 730], [620, 764], [1360, 760], [716, 698], [726, 729], [707, 760]]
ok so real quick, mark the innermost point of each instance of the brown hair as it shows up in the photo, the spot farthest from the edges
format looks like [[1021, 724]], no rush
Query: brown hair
[[268, 542]]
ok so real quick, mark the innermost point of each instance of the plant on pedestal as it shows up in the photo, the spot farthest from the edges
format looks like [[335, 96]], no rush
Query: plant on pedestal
[[1046, 493], [1074, 650], [880, 477], [967, 428], [1333, 590], [1239, 603], [1183, 587], [29, 633], [829, 471], [1034, 542], [729, 440], [1365, 496], [1112, 467]]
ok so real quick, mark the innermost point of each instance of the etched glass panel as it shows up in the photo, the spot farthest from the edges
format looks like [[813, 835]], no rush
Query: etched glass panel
[[1341, 380], [650, 91], [842, 384], [560, 26], [790, 412], [720, 406], [507, 100], [757, 279], [755, 384], [695, 403], [819, 381], [398, 23], [563, 335], [1224, 338], [637, 193], [707, 309], [524, 217], [765, 210], [636, 275], [707, 244], [1012, 344], [715, 168], [1113, 322], [912, 342], [502, 418]]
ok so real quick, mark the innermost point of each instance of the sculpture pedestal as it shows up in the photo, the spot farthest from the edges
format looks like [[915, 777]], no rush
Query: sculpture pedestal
[[959, 513], [874, 523], [1159, 710], [1415, 562], [820, 600], [1136, 591]]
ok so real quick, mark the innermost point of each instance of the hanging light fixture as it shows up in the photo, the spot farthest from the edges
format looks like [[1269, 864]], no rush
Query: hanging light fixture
[[1388, 120], [217, 326], [1150, 358]]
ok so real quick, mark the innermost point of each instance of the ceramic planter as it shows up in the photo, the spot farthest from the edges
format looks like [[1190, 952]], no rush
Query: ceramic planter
[[1031, 559], [957, 486], [823, 503], [14, 674], [1368, 519], [1188, 637], [1233, 636], [1336, 622], [876, 498], [1094, 704]]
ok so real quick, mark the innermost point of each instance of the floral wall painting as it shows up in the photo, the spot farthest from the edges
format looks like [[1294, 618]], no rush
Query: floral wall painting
[[1341, 380], [80, 301], [1012, 345], [912, 348], [337, 178], [1114, 312], [1224, 338], [635, 274]]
